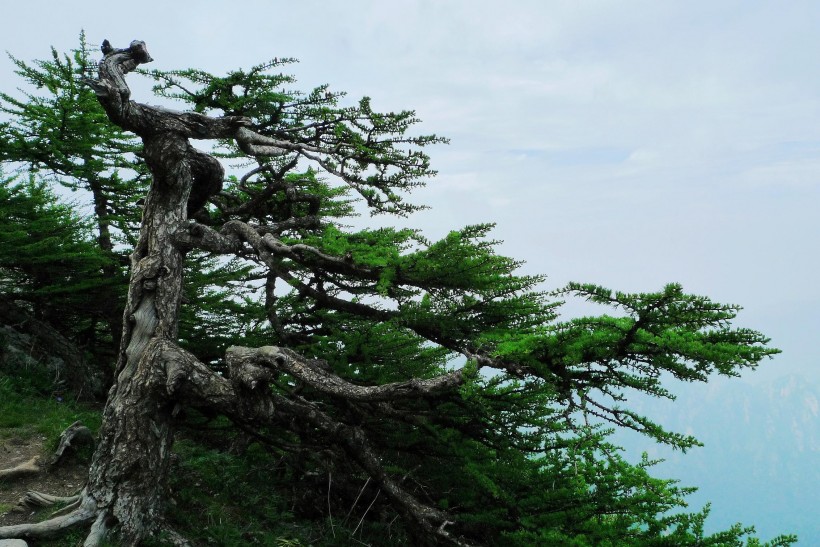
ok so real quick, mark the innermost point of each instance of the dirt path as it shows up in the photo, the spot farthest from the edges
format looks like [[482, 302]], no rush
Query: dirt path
[[65, 480]]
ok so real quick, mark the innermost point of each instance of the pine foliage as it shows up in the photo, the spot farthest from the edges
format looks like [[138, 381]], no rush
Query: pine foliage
[[518, 454]]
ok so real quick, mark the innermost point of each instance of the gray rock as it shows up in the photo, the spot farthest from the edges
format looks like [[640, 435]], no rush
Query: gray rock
[[13, 543]]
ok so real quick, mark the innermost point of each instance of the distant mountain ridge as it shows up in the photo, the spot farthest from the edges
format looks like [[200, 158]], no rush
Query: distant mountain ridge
[[761, 461]]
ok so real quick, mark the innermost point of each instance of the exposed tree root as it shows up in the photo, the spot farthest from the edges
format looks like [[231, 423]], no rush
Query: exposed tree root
[[84, 513], [98, 531], [31, 467], [68, 508], [75, 434], [39, 499], [79, 510]]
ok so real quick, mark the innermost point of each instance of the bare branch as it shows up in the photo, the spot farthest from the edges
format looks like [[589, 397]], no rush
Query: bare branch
[[114, 95], [30, 467], [194, 235], [310, 372], [52, 527], [247, 399], [422, 520]]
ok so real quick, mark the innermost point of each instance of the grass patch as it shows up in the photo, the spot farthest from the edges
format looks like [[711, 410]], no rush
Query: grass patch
[[25, 411]]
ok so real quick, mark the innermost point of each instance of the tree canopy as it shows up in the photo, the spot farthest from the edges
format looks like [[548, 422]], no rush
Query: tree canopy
[[432, 371]]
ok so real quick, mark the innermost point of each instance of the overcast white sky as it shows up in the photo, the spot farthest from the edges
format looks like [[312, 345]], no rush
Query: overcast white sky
[[628, 143]]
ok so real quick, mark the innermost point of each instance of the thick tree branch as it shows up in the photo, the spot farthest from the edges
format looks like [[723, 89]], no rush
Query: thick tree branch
[[114, 94], [193, 235], [248, 399], [317, 377], [424, 522]]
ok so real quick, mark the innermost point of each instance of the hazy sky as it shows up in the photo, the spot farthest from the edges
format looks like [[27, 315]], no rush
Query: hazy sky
[[628, 144]]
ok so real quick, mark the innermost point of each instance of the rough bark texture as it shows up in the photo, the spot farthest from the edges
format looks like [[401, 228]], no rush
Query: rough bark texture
[[154, 376], [129, 470]]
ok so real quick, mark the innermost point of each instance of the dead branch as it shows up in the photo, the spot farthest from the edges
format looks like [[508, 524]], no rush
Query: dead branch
[[30, 467], [75, 433], [319, 378]]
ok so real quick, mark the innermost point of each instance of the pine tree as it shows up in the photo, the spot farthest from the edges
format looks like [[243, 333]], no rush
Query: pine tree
[[58, 133], [430, 368], [51, 270]]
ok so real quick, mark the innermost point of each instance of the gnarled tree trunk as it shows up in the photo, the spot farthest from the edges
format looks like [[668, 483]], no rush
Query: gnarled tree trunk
[[154, 376], [130, 465], [129, 469]]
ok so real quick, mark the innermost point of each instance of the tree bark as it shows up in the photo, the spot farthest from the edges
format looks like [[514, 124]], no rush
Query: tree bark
[[154, 376], [130, 465], [129, 469]]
